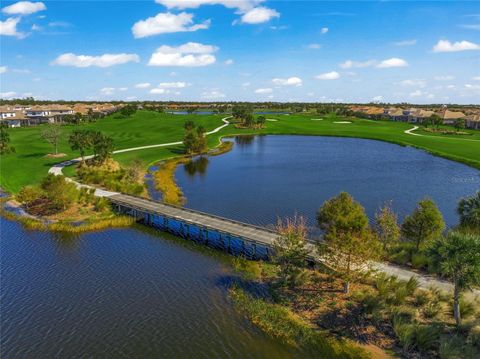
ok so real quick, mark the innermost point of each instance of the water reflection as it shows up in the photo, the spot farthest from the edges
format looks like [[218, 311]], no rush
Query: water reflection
[[196, 165], [244, 140]]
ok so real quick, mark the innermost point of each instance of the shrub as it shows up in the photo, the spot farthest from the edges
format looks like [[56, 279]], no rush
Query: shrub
[[421, 298], [451, 348], [419, 261], [426, 337], [474, 336], [432, 309], [467, 308], [405, 334], [401, 257], [29, 194], [411, 285]]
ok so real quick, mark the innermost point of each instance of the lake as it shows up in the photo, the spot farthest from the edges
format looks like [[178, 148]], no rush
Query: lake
[[264, 177], [119, 293]]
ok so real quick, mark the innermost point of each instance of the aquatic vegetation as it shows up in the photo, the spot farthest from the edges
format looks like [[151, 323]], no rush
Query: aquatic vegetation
[[164, 179]]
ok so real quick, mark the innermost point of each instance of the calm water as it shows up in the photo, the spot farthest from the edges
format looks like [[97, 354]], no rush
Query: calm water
[[119, 293], [268, 176]]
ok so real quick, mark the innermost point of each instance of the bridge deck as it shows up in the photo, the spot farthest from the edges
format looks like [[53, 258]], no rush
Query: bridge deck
[[228, 226]]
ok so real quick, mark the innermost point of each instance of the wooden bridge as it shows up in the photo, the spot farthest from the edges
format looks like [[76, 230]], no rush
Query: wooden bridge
[[236, 237]]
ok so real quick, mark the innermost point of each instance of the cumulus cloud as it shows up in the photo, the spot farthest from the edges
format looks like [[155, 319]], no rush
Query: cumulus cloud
[[105, 60], [158, 91], [191, 54], [167, 23], [324, 30], [349, 64], [107, 90], [332, 75], [392, 62], [24, 8], [176, 85], [9, 28], [143, 85], [213, 95], [229, 62], [259, 15], [3, 69], [447, 46], [314, 46], [405, 42], [8, 94], [377, 98], [291, 81], [264, 91]]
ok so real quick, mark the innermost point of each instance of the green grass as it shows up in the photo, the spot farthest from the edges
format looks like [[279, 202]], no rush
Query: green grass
[[29, 166]]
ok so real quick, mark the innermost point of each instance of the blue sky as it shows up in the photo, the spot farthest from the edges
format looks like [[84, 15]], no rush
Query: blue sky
[[253, 50]]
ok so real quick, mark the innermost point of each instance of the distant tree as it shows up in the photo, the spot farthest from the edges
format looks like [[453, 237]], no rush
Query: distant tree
[[190, 110], [61, 193], [459, 124], [386, 226], [349, 242], [290, 251], [436, 120], [424, 225], [189, 125], [457, 258], [81, 140], [78, 117], [5, 146], [52, 135], [469, 211], [261, 120], [102, 147], [128, 110], [28, 194]]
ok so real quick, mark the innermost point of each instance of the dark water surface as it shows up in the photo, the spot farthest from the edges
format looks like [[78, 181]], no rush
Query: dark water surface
[[268, 176], [120, 293]]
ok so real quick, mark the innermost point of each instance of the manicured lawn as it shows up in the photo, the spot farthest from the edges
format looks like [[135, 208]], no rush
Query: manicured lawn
[[29, 165]]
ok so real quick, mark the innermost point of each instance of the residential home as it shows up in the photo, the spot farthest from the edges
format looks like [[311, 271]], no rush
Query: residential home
[[449, 117], [472, 122]]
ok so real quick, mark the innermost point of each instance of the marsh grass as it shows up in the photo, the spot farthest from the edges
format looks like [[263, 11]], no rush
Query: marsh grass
[[164, 179]]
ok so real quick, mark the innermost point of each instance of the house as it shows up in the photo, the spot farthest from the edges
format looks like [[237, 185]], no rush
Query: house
[[39, 114], [472, 121], [449, 117], [419, 115], [6, 112], [12, 118]]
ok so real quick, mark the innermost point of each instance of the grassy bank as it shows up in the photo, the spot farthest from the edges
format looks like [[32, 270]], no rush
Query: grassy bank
[[164, 179], [279, 322]]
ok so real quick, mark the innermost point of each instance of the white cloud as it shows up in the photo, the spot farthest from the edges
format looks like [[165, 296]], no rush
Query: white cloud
[[264, 91], [131, 98], [122, 88], [447, 46], [332, 75], [229, 62], [107, 90], [418, 93], [177, 85], [212, 95], [191, 54], [9, 94], [314, 46], [246, 84], [377, 99], [105, 60], [405, 42], [392, 62], [471, 26], [143, 85], [24, 8], [444, 78], [291, 81], [349, 64], [3, 69], [242, 5], [324, 30], [476, 78], [414, 83], [259, 15], [158, 91], [167, 23], [9, 28]]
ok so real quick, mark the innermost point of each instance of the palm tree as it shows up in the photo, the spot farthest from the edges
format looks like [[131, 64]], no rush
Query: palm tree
[[457, 258], [469, 211]]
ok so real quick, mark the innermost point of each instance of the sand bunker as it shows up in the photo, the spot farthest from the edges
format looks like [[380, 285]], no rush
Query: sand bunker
[[317, 119], [342, 122], [271, 120]]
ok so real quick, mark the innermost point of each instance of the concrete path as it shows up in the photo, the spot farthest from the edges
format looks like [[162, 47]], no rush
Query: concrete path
[[414, 128], [425, 281]]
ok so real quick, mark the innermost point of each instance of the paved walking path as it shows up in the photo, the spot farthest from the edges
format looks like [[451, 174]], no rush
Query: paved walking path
[[425, 281], [414, 128]]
